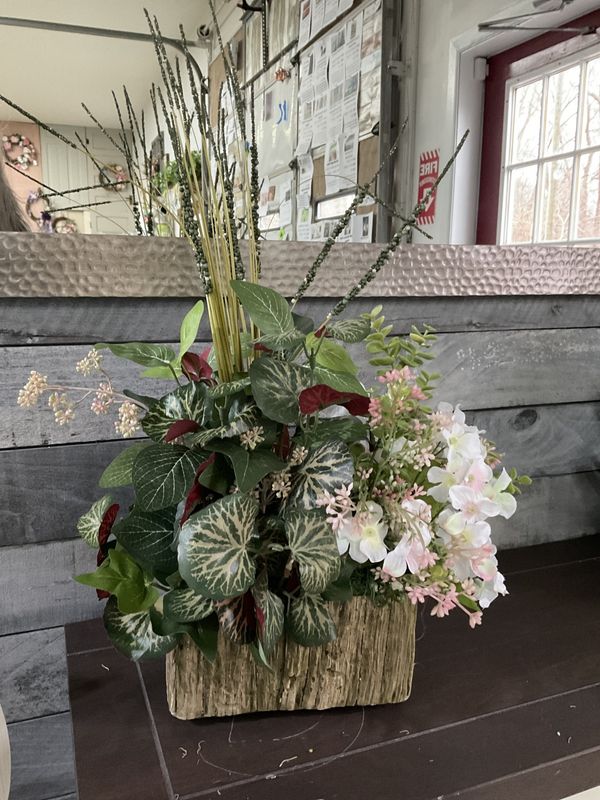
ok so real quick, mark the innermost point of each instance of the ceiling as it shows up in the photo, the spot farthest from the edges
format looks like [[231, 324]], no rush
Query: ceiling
[[50, 73]]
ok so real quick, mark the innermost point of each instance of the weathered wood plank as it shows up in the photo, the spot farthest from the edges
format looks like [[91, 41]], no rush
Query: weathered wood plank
[[43, 761], [89, 319], [37, 589], [33, 667], [26, 427], [45, 489]]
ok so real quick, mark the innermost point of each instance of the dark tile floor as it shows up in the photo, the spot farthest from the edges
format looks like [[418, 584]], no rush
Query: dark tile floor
[[510, 711]]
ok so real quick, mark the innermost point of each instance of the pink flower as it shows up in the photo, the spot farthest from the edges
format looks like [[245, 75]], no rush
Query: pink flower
[[417, 393], [375, 410], [417, 594], [475, 618]]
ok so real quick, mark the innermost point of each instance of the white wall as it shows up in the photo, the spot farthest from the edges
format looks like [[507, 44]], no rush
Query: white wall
[[449, 99]]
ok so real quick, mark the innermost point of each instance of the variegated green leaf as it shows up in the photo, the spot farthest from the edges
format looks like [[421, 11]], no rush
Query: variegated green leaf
[[118, 472], [163, 474], [349, 330], [237, 618], [88, 524], [276, 386], [269, 615], [282, 341], [265, 307], [133, 635], [185, 605], [148, 537], [231, 387], [331, 356], [187, 402], [148, 355], [327, 467], [309, 622], [214, 547], [313, 547], [239, 423], [341, 381], [249, 466]]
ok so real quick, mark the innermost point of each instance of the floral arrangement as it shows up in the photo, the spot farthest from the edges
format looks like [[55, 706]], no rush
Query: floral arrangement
[[272, 482]]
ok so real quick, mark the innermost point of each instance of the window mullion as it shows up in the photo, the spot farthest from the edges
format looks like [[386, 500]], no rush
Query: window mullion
[[535, 234]]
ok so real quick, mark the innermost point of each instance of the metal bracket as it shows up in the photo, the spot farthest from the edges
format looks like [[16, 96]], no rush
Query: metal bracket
[[397, 68]]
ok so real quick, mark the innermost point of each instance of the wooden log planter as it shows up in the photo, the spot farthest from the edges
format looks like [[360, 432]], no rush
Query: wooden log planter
[[370, 663]]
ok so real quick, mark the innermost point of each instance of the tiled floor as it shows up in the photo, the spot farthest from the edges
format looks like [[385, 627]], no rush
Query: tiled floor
[[507, 712]]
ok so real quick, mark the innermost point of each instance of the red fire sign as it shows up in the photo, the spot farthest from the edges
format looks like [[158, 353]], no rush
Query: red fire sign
[[429, 170]]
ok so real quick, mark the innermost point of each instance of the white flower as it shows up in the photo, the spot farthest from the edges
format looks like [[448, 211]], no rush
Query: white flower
[[507, 505], [251, 438], [91, 363], [395, 562], [473, 506], [364, 535], [490, 589]]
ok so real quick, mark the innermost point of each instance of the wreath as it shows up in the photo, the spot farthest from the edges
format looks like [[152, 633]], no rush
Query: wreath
[[27, 157], [64, 225], [34, 199], [114, 178]]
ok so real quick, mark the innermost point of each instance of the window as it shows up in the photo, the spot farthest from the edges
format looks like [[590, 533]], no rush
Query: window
[[550, 182]]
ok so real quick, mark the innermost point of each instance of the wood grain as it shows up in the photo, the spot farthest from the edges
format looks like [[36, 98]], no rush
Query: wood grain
[[370, 663], [33, 667], [43, 762], [37, 589]]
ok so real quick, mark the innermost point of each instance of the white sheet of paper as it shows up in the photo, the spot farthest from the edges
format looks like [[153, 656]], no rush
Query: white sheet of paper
[[337, 42], [305, 174], [319, 126], [331, 11], [321, 62], [305, 22], [285, 213], [349, 159], [353, 45], [317, 17], [351, 87], [344, 5], [332, 166], [362, 228], [335, 114], [304, 217]]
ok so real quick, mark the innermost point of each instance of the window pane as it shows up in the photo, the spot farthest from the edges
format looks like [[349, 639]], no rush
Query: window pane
[[521, 203], [590, 135], [561, 111], [527, 114], [588, 201], [556, 200]]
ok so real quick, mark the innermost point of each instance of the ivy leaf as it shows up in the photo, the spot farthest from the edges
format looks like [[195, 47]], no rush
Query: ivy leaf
[[238, 422], [185, 605], [148, 355], [267, 309], [186, 402], [350, 331], [148, 537], [276, 386], [89, 523], [331, 355], [249, 466], [343, 382], [327, 467], [118, 472], [133, 634], [313, 547], [189, 329], [163, 475], [269, 615], [214, 547], [309, 622], [124, 579]]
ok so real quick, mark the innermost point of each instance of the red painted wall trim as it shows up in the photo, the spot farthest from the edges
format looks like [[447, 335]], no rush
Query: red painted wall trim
[[493, 122]]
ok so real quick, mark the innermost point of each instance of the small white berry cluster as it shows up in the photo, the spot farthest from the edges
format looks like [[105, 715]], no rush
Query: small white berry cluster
[[251, 438], [129, 420], [33, 389], [90, 364]]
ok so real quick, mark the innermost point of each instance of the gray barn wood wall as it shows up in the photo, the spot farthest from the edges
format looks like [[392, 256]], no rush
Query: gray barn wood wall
[[527, 367]]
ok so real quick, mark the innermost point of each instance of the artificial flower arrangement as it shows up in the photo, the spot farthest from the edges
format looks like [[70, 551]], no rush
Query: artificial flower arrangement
[[272, 482]]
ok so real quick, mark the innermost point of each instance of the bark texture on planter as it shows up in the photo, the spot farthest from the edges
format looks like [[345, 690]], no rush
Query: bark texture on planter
[[370, 663]]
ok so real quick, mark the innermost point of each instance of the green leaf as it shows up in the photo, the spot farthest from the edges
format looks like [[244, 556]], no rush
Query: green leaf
[[303, 324], [249, 466], [123, 578], [163, 373], [163, 475], [309, 622], [214, 547], [350, 330], [313, 547], [133, 635], [270, 615], [148, 537], [189, 328], [330, 355], [340, 591], [327, 467], [185, 605], [276, 386], [265, 307], [186, 402], [118, 472], [231, 387], [343, 382], [239, 422], [282, 341], [205, 636], [144, 399], [89, 523], [148, 355], [218, 476], [346, 428]]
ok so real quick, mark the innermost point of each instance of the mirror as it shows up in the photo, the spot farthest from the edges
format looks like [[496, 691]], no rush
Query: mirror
[[327, 116]]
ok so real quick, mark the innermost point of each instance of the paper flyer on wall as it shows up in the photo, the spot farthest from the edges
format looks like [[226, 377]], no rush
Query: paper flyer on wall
[[305, 174], [362, 228], [319, 129], [332, 166], [349, 160], [307, 69], [305, 23], [304, 217], [335, 114], [352, 52], [321, 62], [317, 17], [337, 42], [351, 87], [305, 121], [331, 12], [344, 5]]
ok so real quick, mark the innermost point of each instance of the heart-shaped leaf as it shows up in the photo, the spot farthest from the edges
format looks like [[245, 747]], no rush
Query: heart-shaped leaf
[[269, 613], [321, 396], [187, 402], [249, 466], [148, 355], [214, 547], [327, 467], [185, 605], [189, 328], [309, 623], [148, 536], [133, 635], [276, 386], [89, 523], [349, 330], [238, 423], [347, 428], [330, 355], [266, 308], [195, 367], [229, 388], [121, 577], [280, 341], [343, 382], [163, 475], [314, 548], [180, 428], [118, 472]]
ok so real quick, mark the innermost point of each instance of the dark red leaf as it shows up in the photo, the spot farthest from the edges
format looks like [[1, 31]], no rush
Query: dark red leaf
[[283, 445], [196, 368], [108, 520], [261, 348], [181, 427], [322, 331], [322, 396], [237, 618], [196, 492]]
